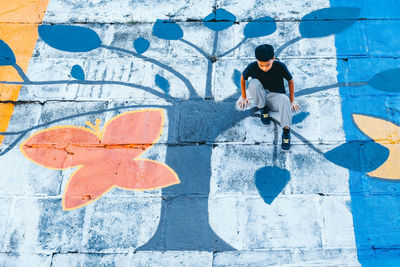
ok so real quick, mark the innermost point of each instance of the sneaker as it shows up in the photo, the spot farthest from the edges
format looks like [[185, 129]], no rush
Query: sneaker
[[265, 119], [285, 140]]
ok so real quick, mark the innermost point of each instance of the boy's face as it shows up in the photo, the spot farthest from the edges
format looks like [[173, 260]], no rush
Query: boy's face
[[265, 65]]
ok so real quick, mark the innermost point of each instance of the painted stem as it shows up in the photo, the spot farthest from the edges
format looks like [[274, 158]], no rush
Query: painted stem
[[312, 90], [21, 73], [288, 43], [208, 93], [233, 48], [184, 220], [201, 51]]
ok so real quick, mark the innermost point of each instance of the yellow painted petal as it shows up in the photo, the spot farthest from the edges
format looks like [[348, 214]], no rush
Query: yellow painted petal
[[386, 134]]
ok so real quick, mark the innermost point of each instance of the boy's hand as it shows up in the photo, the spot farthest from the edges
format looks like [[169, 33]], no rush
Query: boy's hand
[[295, 106], [243, 102]]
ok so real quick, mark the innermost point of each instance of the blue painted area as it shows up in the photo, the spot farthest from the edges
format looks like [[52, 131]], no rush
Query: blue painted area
[[236, 78], [388, 80], [260, 27], [6, 55], [69, 38], [78, 73], [270, 182], [167, 29], [327, 21], [141, 45], [300, 117], [358, 156], [219, 20], [162, 83], [374, 203]]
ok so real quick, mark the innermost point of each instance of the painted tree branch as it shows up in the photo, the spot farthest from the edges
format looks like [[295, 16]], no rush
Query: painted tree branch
[[188, 84], [233, 48], [201, 51]]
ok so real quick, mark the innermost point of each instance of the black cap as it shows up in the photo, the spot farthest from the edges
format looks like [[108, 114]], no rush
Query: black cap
[[264, 52]]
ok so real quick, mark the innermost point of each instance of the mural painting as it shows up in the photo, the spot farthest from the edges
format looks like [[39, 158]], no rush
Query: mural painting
[[111, 157]]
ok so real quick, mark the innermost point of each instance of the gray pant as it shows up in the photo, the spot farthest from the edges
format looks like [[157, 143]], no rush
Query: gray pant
[[279, 104]]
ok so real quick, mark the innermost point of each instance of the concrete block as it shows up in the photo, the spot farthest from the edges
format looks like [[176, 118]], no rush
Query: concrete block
[[381, 33], [24, 116], [254, 9], [289, 257], [42, 225], [55, 110], [369, 8], [235, 166], [32, 179], [338, 222], [5, 204], [253, 258], [364, 69], [325, 257], [312, 173], [289, 222], [209, 121], [126, 11], [91, 259], [172, 258], [115, 224], [25, 259], [371, 214]]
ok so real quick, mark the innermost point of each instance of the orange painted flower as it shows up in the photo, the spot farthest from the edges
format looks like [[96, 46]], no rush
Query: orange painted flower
[[105, 159]]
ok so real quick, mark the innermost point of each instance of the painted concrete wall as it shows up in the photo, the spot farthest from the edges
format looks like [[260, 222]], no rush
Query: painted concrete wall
[[123, 144]]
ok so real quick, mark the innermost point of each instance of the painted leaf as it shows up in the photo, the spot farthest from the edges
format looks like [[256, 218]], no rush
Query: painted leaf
[[236, 77], [141, 45], [219, 20], [50, 148], [105, 159], [260, 27], [77, 72], [135, 127], [327, 21], [387, 81], [167, 29], [270, 182], [387, 135], [7, 56], [69, 38], [83, 188], [300, 117], [162, 83], [358, 156], [149, 175]]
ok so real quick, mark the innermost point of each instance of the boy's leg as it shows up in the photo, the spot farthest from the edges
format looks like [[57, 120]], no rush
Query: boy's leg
[[281, 111], [279, 105], [257, 93]]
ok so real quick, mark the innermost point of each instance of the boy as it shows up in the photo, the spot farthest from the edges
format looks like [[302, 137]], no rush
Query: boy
[[267, 90]]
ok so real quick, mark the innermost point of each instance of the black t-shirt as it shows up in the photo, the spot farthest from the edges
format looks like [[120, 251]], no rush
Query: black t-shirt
[[271, 80]]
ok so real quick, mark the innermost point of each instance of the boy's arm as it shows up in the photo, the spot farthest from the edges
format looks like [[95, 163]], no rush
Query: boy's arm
[[291, 90], [293, 103], [243, 86], [243, 100]]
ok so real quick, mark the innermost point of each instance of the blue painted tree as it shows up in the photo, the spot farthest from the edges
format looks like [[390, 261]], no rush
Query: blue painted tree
[[186, 204]]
